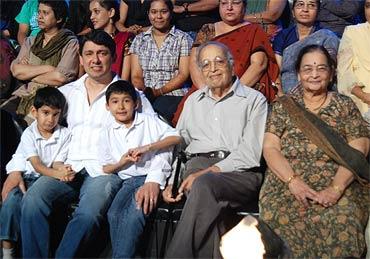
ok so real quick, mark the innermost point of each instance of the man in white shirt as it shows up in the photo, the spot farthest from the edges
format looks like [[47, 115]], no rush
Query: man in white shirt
[[86, 118], [222, 126]]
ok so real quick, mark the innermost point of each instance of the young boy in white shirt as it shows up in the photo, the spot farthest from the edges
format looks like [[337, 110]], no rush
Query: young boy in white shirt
[[138, 147], [42, 150]]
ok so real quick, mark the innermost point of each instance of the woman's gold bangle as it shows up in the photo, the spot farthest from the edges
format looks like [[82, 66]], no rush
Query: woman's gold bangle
[[291, 178]]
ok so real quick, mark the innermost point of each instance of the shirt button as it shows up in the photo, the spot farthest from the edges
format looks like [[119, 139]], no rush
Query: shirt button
[[216, 119]]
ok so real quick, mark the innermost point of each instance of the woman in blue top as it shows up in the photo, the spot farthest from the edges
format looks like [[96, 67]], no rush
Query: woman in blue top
[[305, 31]]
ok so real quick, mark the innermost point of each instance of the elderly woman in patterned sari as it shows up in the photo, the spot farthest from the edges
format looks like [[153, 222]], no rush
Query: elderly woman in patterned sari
[[354, 64], [315, 195], [305, 31], [48, 59]]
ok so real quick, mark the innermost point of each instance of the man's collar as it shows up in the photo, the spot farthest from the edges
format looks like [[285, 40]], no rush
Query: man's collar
[[82, 80]]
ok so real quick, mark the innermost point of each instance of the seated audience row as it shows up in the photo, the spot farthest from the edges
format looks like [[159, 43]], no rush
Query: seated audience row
[[219, 159], [108, 154], [170, 74]]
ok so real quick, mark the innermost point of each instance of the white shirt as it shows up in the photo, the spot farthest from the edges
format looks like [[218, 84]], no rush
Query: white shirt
[[86, 122], [145, 129], [33, 144]]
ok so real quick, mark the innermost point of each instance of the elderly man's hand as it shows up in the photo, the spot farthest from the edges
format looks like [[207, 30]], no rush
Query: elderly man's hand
[[188, 182], [167, 195]]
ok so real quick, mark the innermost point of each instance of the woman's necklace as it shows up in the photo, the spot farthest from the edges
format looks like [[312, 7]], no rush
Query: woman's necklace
[[318, 107], [113, 34]]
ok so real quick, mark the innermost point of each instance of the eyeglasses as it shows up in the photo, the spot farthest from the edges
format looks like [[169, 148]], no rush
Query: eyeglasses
[[218, 62], [302, 5], [233, 3], [321, 69]]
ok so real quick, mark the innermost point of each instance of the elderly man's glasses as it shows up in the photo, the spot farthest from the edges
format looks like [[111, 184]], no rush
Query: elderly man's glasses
[[302, 5], [308, 70], [218, 62]]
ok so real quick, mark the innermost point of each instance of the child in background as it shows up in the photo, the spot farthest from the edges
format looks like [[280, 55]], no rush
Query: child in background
[[137, 146], [42, 150]]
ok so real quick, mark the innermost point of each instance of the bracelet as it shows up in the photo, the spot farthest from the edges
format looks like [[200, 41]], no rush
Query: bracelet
[[291, 178], [337, 189]]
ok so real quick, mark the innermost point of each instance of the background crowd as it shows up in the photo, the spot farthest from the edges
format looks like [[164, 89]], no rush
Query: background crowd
[[299, 53]]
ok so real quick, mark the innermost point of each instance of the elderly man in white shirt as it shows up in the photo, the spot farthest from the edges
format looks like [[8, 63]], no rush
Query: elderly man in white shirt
[[86, 118], [222, 126]]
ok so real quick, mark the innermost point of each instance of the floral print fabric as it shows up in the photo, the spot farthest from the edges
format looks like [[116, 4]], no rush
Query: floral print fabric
[[337, 231]]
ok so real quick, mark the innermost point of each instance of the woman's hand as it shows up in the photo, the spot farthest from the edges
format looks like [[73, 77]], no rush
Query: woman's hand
[[135, 29], [302, 192], [328, 197], [366, 98], [178, 9]]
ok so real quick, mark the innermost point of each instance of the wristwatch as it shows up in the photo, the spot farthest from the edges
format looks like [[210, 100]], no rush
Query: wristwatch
[[186, 6]]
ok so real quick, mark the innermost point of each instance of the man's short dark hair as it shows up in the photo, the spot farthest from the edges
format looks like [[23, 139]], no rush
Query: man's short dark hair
[[49, 96], [99, 37], [60, 9], [121, 87]]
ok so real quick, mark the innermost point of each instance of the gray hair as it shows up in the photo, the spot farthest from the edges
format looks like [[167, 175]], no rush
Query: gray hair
[[223, 47]]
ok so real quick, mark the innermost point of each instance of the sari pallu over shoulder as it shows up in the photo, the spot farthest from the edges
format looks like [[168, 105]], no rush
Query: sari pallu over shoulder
[[328, 140], [243, 42]]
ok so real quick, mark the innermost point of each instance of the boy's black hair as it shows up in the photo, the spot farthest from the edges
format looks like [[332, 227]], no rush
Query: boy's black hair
[[49, 96], [60, 9], [121, 87], [99, 37]]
